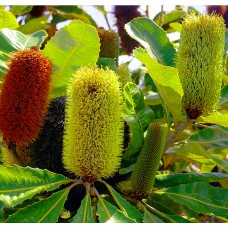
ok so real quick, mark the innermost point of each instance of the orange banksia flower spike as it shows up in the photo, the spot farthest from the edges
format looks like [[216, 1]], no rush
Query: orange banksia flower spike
[[24, 97]]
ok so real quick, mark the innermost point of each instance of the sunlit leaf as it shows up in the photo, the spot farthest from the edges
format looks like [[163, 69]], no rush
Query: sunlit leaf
[[168, 180], [109, 213], [34, 25], [153, 38], [73, 46], [8, 20], [44, 211], [124, 205], [200, 197], [1, 212], [20, 10], [196, 149], [18, 184], [167, 82], [84, 213], [215, 137], [12, 40], [215, 118]]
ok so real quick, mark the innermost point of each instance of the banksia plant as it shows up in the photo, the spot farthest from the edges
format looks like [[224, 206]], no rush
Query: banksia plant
[[24, 97], [147, 164], [199, 61], [93, 131], [123, 15], [109, 40], [124, 73], [47, 149], [222, 10]]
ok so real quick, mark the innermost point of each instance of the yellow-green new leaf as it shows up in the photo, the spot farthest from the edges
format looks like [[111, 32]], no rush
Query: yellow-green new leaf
[[73, 46], [8, 20], [167, 81]]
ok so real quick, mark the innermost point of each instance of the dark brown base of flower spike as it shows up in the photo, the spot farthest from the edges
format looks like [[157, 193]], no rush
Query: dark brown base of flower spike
[[193, 113], [139, 195], [89, 179]]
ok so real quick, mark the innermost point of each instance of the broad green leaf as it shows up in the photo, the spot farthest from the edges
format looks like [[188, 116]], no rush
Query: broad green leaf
[[84, 213], [215, 118], [176, 26], [124, 205], [138, 116], [152, 98], [196, 149], [18, 184], [134, 104], [34, 25], [73, 12], [224, 97], [153, 38], [200, 197], [8, 20], [215, 137], [12, 40], [168, 180], [167, 82], [109, 213], [44, 211], [150, 218], [107, 62], [20, 10], [73, 46]]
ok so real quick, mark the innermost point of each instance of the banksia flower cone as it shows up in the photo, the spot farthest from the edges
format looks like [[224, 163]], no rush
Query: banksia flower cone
[[147, 164], [123, 15], [199, 62], [24, 97], [93, 131], [109, 40]]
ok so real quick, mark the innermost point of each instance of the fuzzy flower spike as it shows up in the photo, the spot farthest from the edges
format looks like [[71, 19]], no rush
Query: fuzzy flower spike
[[93, 131], [24, 97], [199, 61]]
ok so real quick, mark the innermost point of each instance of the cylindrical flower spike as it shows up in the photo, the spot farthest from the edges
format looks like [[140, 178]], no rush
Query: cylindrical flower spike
[[24, 97], [147, 163], [199, 61], [109, 40], [93, 131]]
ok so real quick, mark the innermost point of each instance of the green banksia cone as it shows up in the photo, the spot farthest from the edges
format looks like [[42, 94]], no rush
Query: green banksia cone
[[199, 61], [93, 131], [124, 74], [147, 164], [24, 97], [109, 40]]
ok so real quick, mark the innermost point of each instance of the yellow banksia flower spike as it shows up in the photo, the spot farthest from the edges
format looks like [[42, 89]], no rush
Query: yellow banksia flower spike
[[147, 164], [93, 131], [199, 61]]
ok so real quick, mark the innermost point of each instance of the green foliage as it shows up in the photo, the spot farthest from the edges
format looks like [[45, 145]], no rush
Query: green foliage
[[200, 197], [166, 80], [191, 184], [70, 50], [7, 20], [153, 38], [84, 213], [14, 40], [44, 211]]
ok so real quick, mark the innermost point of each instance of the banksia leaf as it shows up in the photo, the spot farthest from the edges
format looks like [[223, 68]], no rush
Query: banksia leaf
[[199, 62], [123, 15], [147, 163], [24, 97], [93, 131], [109, 40], [9, 157]]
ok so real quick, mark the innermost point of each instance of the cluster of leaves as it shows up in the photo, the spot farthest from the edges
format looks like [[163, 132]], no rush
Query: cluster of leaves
[[192, 178]]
